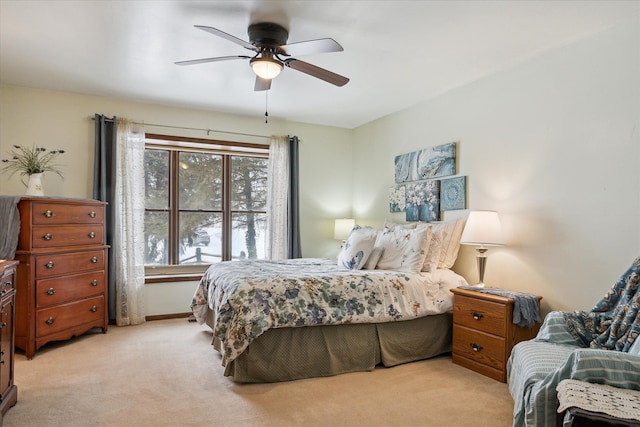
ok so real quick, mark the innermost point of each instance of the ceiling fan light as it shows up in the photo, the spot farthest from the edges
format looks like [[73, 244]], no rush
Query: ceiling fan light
[[266, 68]]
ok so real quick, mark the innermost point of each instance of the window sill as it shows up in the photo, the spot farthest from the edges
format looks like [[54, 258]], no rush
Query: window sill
[[168, 278]]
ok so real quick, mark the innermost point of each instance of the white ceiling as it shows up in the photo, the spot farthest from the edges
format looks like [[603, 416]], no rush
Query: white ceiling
[[396, 53]]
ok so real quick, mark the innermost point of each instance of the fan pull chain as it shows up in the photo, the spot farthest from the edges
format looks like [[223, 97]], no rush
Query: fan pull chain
[[266, 100]]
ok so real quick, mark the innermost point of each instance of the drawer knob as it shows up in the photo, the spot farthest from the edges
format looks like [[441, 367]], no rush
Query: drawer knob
[[48, 236], [50, 264], [7, 284], [476, 347], [92, 235], [94, 259], [48, 213], [94, 309], [92, 214], [94, 283], [3, 324], [477, 316], [50, 321], [51, 291]]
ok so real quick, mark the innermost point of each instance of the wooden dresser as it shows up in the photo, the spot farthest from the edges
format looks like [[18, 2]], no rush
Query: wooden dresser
[[8, 390], [62, 275], [484, 332]]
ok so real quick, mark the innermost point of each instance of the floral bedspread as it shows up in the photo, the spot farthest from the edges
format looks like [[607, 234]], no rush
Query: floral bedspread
[[250, 297]]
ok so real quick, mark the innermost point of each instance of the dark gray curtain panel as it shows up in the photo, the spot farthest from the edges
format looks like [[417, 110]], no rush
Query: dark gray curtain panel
[[295, 250], [104, 181]]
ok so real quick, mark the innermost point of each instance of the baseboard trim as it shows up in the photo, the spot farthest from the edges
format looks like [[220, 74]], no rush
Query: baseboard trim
[[167, 316]]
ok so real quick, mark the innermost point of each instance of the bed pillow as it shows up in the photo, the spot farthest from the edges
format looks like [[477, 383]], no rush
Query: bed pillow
[[357, 248], [393, 225], [403, 249], [451, 242]]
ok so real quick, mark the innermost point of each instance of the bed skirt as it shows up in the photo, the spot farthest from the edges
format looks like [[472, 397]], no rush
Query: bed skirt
[[286, 354]]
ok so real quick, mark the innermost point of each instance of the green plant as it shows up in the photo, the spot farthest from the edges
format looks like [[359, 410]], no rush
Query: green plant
[[29, 161]]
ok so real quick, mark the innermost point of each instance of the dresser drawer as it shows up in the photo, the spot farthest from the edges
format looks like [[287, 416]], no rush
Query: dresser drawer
[[479, 346], [481, 315], [46, 236], [61, 317], [74, 262], [63, 289], [57, 213]]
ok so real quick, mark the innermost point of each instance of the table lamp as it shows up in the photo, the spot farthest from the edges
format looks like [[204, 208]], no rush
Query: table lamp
[[342, 229], [482, 229]]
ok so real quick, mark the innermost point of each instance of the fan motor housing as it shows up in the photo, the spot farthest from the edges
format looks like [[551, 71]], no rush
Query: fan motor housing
[[267, 34]]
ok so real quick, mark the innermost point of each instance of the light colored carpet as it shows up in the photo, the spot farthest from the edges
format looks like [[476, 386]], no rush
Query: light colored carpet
[[165, 373]]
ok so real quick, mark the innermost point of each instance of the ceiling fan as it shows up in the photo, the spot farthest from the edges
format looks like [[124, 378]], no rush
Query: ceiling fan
[[269, 40]]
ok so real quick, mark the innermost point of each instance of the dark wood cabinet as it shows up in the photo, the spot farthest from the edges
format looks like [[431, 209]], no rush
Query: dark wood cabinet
[[8, 390], [62, 275]]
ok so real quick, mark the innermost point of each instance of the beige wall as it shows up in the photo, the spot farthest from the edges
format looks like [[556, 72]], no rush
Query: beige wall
[[62, 120], [553, 145]]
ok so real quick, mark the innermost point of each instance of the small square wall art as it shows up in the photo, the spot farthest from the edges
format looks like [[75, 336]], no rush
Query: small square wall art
[[422, 201], [453, 193]]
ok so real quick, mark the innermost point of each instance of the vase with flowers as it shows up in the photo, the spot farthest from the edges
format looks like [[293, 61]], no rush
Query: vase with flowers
[[32, 162]]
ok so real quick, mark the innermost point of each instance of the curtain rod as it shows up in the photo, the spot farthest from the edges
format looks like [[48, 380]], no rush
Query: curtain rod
[[197, 129]]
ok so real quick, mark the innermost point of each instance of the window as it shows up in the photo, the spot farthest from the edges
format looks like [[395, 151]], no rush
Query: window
[[205, 203]]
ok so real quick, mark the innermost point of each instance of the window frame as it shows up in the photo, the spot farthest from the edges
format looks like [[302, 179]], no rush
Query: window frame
[[175, 145]]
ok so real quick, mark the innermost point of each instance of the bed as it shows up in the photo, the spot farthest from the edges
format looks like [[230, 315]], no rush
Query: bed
[[283, 320]]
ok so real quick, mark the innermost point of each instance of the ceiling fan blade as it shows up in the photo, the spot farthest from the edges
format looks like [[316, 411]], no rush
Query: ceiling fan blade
[[312, 46], [226, 36], [262, 84], [216, 59], [317, 72]]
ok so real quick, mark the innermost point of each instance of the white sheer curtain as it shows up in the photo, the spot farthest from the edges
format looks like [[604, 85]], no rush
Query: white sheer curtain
[[128, 209], [278, 188]]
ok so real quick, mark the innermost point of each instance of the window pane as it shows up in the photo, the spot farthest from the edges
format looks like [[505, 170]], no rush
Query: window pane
[[156, 170], [200, 238], [249, 236], [156, 238], [248, 183], [200, 181]]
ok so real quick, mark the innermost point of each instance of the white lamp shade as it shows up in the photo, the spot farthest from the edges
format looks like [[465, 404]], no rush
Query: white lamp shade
[[343, 227], [482, 228]]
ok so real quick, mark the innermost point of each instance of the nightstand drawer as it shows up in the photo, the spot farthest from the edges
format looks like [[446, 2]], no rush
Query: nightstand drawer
[[485, 316], [479, 346]]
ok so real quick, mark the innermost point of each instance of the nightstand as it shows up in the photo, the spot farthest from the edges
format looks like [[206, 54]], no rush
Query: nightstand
[[484, 333]]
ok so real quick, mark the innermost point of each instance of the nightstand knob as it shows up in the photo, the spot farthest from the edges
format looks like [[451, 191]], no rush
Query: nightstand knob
[[476, 347], [477, 316]]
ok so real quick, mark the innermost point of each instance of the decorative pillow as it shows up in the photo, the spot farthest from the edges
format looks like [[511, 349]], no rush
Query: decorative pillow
[[403, 249], [451, 243], [357, 248], [434, 251], [373, 259]]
